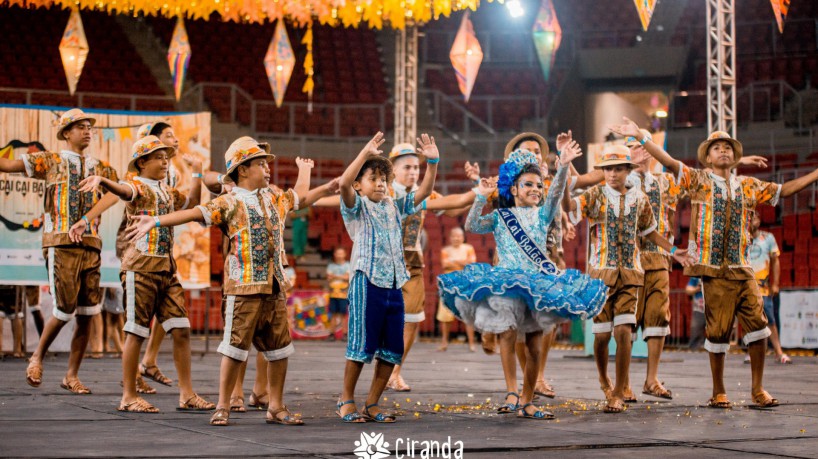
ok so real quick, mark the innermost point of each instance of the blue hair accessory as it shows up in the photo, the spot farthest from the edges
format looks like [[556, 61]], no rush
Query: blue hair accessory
[[511, 169]]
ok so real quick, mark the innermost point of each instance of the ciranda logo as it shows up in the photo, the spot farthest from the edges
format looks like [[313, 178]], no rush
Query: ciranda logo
[[371, 446]]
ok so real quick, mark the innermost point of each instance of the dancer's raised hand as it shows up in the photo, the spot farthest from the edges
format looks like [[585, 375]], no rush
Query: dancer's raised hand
[[427, 147], [371, 147], [472, 171], [563, 139], [570, 152], [627, 129], [486, 187]]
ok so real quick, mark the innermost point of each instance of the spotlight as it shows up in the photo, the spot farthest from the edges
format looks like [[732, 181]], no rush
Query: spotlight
[[661, 114], [515, 8]]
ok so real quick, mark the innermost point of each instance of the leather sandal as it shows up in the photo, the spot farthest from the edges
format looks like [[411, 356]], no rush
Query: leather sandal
[[139, 405], [398, 384], [720, 401], [195, 403], [615, 405], [220, 418], [142, 387], [657, 390], [763, 399], [237, 405], [75, 386], [155, 375], [34, 374], [288, 420], [257, 402]]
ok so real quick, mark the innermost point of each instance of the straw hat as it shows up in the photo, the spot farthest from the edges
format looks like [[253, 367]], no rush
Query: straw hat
[[615, 155], [634, 142], [738, 150], [511, 145], [145, 146], [70, 117], [402, 149], [245, 149]]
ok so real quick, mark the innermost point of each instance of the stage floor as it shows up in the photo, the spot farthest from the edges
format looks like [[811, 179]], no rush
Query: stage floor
[[447, 404]]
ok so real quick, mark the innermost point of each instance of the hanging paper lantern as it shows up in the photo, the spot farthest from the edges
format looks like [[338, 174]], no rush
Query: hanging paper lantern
[[73, 50], [279, 62], [547, 35], [780, 9], [179, 57], [309, 85], [645, 9], [466, 56]]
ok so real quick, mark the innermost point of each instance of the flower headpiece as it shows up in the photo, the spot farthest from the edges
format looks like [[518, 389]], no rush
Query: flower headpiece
[[511, 169]]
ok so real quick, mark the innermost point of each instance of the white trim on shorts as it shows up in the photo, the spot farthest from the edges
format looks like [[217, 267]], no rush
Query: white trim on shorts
[[224, 347], [130, 308]]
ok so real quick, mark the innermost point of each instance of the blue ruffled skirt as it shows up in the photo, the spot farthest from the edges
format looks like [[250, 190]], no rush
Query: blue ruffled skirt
[[496, 299]]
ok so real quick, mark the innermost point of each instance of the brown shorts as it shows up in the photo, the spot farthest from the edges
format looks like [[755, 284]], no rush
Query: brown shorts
[[33, 297], [260, 320], [9, 308], [724, 300], [414, 297], [619, 309], [653, 309], [73, 277], [153, 294], [443, 313]]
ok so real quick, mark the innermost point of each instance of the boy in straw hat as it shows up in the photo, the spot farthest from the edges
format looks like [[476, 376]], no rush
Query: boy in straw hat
[[148, 271], [653, 308], [73, 268], [376, 304], [620, 217], [252, 215], [719, 238]]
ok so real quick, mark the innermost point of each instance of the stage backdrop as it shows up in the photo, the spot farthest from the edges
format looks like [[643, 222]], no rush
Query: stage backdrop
[[27, 129]]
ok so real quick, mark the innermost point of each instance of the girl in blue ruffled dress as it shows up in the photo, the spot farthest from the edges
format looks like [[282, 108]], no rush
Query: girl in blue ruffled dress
[[525, 293]]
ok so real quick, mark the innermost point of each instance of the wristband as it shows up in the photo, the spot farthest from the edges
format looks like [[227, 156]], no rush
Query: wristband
[[197, 175], [87, 223], [156, 222], [643, 140], [220, 179], [433, 161], [673, 250], [476, 182]]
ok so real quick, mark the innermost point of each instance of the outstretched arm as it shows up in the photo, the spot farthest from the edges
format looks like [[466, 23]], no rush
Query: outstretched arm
[[570, 152], [331, 201], [429, 150], [215, 182], [452, 204], [476, 222], [679, 255], [144, 223], [370, 149], [794, 186], [302, 183], [325, 191], [121, 190], [78, 228], [630, 129], [12, 165]]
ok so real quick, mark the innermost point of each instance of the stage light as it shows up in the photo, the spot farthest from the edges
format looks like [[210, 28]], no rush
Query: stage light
[[661, 114], [515, 8]]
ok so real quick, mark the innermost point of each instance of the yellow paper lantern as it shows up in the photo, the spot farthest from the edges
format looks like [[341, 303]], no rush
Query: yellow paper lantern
[[73, 50]]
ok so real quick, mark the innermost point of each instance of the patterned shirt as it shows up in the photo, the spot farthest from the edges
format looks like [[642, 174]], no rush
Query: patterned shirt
[[375, 229], [535, 220], [618, 222], [760, 252], [663, 194], [338, 288], [254, 224], [412, 226], [698, 297], [154, 251], [719, 221], [64, 204]]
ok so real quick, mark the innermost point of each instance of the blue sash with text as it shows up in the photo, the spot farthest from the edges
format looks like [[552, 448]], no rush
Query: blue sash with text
[[528, 246]]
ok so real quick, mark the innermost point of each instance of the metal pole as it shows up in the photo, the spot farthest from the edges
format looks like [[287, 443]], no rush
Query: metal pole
[[406, 84], [721, 66]]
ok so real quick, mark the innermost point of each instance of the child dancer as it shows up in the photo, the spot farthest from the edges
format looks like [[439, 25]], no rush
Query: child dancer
[[376, 309], [148, 272], [525, 293], [653, 307], [719, 238], [252, 215], [619, 216], [338, 280], [73, 269]]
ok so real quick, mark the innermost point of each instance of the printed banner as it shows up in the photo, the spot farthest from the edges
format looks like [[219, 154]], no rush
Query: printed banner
[[799, 319], [26, 129], [308, 314]]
